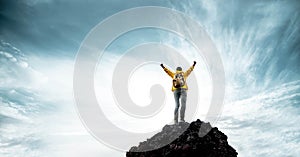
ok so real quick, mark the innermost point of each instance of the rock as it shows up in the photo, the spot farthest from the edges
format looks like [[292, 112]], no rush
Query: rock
[[185, 140]]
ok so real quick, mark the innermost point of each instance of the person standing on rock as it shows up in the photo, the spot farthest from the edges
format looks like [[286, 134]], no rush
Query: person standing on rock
[[179, 88]]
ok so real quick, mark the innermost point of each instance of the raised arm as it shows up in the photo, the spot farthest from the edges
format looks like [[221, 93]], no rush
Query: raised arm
[[169, 72], [188, 72]]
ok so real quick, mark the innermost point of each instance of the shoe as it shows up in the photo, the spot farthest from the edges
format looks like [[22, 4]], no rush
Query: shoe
[[182, 121], [175, 121]]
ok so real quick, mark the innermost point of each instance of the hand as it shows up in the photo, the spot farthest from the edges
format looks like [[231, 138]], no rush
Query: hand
[[162, 65], [194, 63]]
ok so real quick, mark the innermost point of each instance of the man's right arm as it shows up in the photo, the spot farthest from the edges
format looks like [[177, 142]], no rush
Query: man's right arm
[[169, 72]]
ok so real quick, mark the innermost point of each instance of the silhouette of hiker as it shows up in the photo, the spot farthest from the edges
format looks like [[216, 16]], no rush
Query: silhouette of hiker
[[179, 88]]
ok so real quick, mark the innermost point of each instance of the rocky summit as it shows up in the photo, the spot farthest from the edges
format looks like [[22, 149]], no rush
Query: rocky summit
[[198, 139]]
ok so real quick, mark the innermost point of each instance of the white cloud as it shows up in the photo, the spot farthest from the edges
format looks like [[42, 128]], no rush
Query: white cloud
[[139, 86]]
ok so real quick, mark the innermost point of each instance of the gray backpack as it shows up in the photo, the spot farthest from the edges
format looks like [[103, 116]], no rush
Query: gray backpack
[[178, 80]]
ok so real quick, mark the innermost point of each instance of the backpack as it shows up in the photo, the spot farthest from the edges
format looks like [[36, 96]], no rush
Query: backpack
[[178, 80]]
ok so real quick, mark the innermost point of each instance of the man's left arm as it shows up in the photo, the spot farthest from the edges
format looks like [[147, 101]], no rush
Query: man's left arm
[[188, 72]]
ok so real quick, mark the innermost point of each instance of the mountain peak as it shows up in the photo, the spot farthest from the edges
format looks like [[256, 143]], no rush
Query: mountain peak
[[185, 140]]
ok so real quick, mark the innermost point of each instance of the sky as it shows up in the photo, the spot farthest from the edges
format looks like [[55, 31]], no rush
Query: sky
[[258, 42]]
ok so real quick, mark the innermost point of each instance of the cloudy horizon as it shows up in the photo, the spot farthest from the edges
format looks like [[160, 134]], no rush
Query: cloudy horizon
[[39, 39]]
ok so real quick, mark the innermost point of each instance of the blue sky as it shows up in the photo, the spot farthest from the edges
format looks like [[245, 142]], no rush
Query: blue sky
[[56, 27], [259, 46]]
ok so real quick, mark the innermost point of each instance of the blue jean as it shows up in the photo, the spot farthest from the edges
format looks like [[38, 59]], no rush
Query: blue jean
[[180, 94]]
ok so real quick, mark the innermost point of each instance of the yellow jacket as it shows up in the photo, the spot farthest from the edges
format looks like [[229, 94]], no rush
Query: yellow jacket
[[185, 75]]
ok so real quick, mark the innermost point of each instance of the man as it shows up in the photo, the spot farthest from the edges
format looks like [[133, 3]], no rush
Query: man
[[179, 88]]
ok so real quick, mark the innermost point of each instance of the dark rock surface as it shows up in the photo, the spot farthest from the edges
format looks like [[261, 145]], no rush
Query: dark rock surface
[[197, 139]]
